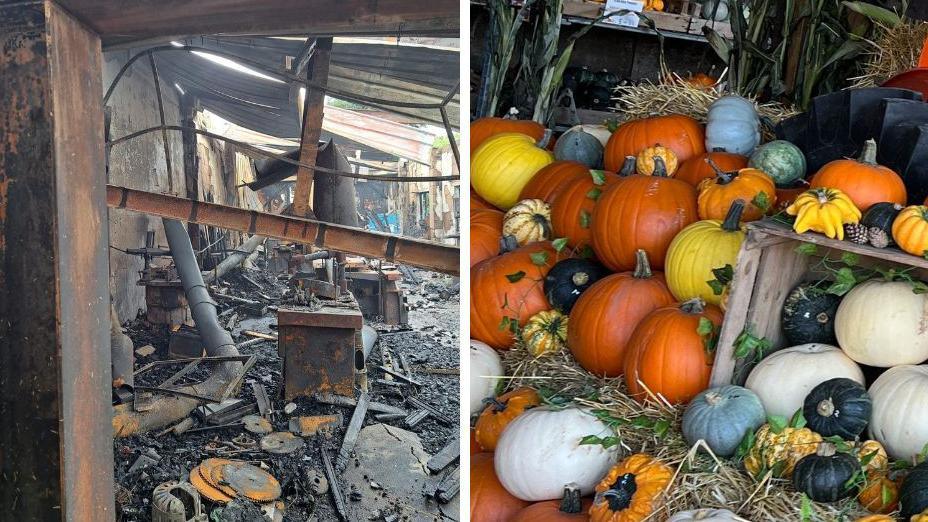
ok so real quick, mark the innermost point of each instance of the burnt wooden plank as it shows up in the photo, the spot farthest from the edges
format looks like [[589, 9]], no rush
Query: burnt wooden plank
[[56, 459], [312, 126], [445, 456], [354, 428]]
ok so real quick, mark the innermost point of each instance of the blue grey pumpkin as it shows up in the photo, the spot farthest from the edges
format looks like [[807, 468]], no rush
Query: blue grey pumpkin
[[580, 146], [733, 126], [722, 416]]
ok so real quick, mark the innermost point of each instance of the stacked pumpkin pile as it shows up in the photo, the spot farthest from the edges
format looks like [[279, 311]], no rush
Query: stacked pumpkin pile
[[618, 247]]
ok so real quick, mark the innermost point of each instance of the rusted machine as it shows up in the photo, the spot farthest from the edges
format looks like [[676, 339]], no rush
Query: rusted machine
[[164, 292]]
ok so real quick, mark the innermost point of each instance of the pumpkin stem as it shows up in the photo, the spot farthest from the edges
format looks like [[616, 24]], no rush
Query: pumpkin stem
[[694, 306], [660, 168], [732, 221], [722, 177], [580, 278], [642, 265], [826, 449], [713, 398], [508, 243], [545, 139], [620, 493], [628, 168], [571, 503], [868, 153], [826, 408], [821, 318]]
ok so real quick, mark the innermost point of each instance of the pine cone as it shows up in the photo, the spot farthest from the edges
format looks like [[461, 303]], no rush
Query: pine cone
[[878, 237], [856, 233]]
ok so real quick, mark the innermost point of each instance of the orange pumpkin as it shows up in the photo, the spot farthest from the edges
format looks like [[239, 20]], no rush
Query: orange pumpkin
[[606, 314], [910, 230], [863, 180], [717, 194], [571, 508], [572, 206], [499, 413], [477, 202], [667, 356], [498, 302], [641, 212], [700, 80], [880, 494], [696, 169], [631, 491], [474, 447], [681, 134], [484, 128], [486, 230], [550, 180], [489, 500], [876, 518]]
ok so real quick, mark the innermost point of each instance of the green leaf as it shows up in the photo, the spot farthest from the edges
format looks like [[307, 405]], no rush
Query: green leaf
[[876, 13], [599, 177], [807, 249], [919, 287], [850, 259], [805, 508], [516, 277], [777, 423], [587, 252], [559, 244], [798, 420], [724, 274], [705, 327], [605, 442], [585, 219], [504, 324], [594, 193], [886, 496], [661, 427], [844, 282], [716, 286], [761, 201], [867, 458], [744, 447], [539, 258]]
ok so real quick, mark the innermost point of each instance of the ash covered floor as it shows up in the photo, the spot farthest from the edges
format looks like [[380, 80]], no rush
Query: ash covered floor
[[397, 486]]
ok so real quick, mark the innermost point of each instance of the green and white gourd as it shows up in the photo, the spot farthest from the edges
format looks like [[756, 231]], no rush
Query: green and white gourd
[[781, 160]]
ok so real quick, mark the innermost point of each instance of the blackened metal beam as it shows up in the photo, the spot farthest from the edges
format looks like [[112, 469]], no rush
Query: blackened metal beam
[[56, 451], [423, 254], [312, 127]]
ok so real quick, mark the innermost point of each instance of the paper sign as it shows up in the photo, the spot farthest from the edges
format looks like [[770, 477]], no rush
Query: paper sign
[[627, 20]]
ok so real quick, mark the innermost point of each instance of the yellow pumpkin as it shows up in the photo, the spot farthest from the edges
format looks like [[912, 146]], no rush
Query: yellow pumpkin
[[824, 210], [528, 221], [503, 165], [699, 249], [545, 332], [921, 517], [876, 518], [631, 491], [779, 452], [910, 230], [644, 164]]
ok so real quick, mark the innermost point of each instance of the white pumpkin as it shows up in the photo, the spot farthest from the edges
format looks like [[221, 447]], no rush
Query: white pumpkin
[[721, 12], [601, 132], [706, 515], [485, 369], [733, 126], [540, 451], [784, 378], [900, 411], [883, 324]]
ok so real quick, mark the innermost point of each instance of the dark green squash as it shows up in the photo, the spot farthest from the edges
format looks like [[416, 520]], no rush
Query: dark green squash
[[825, 476], [568, 279], [839, 407], [881, 215], [913, 496], [580, 146], [809, 315]]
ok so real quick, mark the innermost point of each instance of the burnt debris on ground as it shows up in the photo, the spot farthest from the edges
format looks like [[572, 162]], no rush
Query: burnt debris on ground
[[257, 456]]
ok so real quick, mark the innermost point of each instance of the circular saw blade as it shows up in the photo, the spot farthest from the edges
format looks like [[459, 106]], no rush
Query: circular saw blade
[[251, 482], [281, 442], [257, 424], [205, 488]]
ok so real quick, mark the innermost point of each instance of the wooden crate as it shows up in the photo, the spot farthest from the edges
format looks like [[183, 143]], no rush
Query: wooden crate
[[768, 267]]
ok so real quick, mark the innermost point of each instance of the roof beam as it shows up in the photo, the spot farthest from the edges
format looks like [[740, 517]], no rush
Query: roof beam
[[121, 21], [381, 134]]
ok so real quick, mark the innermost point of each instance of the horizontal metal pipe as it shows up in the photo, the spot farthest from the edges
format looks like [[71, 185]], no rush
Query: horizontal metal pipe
[[422, 254]]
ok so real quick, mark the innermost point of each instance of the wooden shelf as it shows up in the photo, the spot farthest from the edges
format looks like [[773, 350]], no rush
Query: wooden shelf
[[680, 26]]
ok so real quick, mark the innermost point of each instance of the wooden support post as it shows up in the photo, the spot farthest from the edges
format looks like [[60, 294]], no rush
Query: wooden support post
[[56, 449], [188, 107], [312, 126]]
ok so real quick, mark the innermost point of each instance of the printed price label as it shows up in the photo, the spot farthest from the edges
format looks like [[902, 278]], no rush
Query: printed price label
[[627, 20]]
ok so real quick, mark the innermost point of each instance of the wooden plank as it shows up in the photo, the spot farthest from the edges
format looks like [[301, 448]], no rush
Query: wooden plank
[[313, 109], [354, 428], [337, 497], [56, 445], [445, 456], [120, 21], [348, 402]]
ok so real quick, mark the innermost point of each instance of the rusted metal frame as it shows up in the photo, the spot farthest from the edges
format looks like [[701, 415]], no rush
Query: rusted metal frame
[[301, 60], [171, 362], [423, 254], [191, 163], [447, 123], [271, 71], [260, 152], [313, 113], [164, 132], [56, 453]]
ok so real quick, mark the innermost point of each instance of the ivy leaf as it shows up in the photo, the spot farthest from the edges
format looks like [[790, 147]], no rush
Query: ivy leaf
[[516, 277], [504, 324], [585, 219], [867, 458], [747, 442], [559, 244], [841, 445], [919, 287], [705, 327], [761, 201], [844, 282], [807, 249], [749, 346], [661, 427], [850, 258], [611, 124], [594, 193], [716, 286], [709, 333], [777, 423], [724, 274], [539, 258], [605, 442], [599, 177], [643, 422], [798, 420]]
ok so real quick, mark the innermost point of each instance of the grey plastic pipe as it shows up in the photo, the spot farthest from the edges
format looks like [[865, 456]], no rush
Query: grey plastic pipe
[[234, 259], [170, 409]]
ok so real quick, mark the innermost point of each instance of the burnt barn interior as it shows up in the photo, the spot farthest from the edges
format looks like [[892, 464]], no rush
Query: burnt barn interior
[[228, 260]]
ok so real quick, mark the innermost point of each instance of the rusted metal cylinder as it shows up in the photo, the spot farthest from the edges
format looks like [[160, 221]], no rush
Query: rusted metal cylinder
[[423, 254]]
